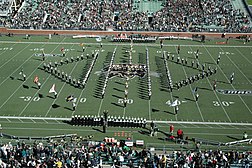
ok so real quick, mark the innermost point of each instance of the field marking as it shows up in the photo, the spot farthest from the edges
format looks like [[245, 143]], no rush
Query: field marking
[[18, 67], [237, 67], [17, 88], [171, 95], [243, 56], [227, 79], [124, 111], [149, 78], [197, 104], [41, 85], [149, 109], [99, 110], [87, 81], [8, 60], [8, 120], [20, 120], [122, 44], [148, 121], [211, 85], [33, 121], [61, 87]]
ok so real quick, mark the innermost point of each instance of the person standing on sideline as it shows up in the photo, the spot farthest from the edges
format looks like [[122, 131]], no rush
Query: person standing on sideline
[[171, 129], [161, 44], [178, 49], [245, 135]]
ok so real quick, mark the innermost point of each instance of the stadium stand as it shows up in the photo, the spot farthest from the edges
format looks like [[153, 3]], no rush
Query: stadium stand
[[180, 16], [78, 153]]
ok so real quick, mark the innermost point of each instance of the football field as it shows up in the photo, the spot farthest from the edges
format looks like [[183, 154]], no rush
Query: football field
[[222, 114]]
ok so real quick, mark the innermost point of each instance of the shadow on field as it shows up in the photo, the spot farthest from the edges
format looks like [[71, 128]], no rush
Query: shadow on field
[[25, 86], [144, 132], [33, 87], [118, 105], [119, 90], [210, 63], [204, 88], [119, 97], [155, 110], [96, 129], [190, 99], [222, 82], [50, 97], [120, 83], [234, 138], [163, 80], [172, 113], [55, 106], [41, 95], [67, 108], [37, 59]]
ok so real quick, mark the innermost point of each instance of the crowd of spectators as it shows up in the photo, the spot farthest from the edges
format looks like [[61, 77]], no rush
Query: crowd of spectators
[[4, 5], [180, 15], [77, 153]]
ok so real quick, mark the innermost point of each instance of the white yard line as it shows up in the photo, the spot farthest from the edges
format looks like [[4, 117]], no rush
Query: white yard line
[[41, 85], [171, 95], [219, 68], [243, 56], [237, 67], [20, 120], [192, 93], [61, 87], [149, 110], [33, 121], [11, 57], [99, 111], [148, 121], [18, 67], [149, 81]]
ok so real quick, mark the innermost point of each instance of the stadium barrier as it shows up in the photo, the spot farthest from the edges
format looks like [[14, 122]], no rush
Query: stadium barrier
[[4, 30], [36, 138]]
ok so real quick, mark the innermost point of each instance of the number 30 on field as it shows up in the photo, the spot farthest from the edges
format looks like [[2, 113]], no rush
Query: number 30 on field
[[223, 103]]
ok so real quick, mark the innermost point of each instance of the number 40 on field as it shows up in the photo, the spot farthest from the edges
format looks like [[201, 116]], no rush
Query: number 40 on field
[[223, 103]]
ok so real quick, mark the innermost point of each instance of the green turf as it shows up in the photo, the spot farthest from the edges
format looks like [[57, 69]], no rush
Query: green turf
[[22, 99], [249, 2]]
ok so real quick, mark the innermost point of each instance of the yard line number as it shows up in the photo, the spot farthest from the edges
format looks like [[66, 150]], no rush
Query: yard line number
[[224, 103], [129, 101], [37, 98], [6, 48]]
